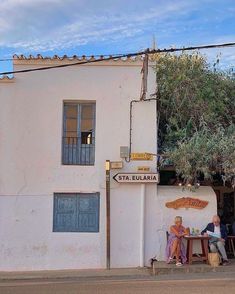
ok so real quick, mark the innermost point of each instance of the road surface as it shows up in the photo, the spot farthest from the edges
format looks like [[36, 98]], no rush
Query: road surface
[[148, 286]]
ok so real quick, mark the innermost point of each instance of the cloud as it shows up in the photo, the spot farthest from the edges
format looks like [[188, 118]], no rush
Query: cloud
[[44, 25], [38, 26], [225, 55]]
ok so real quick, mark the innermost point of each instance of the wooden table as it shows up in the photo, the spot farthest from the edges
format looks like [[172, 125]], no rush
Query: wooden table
[[204, 245]]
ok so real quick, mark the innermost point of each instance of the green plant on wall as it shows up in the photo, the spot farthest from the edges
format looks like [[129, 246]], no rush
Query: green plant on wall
[[196, 117]]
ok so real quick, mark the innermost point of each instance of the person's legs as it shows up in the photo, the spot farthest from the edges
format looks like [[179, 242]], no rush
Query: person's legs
[[178, 252], [174, 248], [221, 248], [213, 248]]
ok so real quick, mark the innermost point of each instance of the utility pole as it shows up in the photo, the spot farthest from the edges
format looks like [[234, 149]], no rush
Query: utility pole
[[144, 72], [107, 170]]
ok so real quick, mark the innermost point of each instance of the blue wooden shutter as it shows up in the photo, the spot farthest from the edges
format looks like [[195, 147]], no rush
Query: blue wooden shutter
[[76, 212], [65, 213], [88, 212]]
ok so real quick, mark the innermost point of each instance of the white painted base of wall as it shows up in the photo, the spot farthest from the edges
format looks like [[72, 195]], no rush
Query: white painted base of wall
[[28, 243], [126, 220], [164, 217]]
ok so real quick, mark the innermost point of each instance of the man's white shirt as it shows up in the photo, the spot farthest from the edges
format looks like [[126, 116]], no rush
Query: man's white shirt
[[217, 231]]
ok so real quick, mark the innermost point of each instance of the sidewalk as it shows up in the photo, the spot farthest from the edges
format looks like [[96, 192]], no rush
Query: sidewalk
[[162, 268], [161, 271]]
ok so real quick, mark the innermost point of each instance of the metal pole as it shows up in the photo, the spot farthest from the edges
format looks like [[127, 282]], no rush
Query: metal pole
[[107, 168], [142, 225], [144, 78]]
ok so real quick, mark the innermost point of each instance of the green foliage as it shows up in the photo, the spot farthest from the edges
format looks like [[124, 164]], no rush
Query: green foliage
[[205, 152], [196, 116]]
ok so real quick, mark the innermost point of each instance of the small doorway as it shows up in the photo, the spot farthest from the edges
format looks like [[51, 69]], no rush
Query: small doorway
[[226, 206]]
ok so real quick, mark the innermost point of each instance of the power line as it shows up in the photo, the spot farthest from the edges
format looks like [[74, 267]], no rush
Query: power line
[[70, 64], [211, 46], [6, 59], [147, 51]]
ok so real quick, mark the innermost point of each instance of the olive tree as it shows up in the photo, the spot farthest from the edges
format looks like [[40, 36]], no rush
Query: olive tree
[[196, 117]]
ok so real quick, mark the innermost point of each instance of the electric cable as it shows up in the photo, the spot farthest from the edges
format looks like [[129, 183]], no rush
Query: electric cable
[[129, 55]]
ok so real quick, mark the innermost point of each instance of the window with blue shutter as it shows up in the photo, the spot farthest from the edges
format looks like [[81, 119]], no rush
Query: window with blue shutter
[[76, 212], [78, 144]]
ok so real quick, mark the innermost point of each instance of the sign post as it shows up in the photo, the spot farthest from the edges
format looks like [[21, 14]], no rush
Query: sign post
[[108, 166], [107, 169], [142, 224]]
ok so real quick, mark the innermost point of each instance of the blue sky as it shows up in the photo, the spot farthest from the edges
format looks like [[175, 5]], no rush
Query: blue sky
[[96, 27]]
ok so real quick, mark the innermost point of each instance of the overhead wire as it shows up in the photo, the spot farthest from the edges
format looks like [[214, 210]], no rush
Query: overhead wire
[[147, 51], [69, 64], [6, 59]]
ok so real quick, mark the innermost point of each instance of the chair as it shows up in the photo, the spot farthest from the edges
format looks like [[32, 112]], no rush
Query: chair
[[167, 236], [231, 248]]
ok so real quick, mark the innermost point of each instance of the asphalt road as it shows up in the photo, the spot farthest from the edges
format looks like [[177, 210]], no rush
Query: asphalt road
[[205, 286]]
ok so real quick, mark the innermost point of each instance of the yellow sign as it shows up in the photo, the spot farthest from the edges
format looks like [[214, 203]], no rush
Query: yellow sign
[[144, 168], [116, 164], [107, 165], [141, 156]]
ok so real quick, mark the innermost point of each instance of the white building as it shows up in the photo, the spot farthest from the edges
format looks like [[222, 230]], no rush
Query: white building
[[57, 129]]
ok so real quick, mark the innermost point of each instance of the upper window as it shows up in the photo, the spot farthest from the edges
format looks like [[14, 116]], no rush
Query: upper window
[[79, 133]]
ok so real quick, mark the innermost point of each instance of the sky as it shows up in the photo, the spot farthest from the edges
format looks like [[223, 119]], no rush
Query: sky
[[87, 27]]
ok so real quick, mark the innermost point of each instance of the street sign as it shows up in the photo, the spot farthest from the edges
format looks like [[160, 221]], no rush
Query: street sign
[[116, 164], [141, 156], [143, 169], [136, 178]]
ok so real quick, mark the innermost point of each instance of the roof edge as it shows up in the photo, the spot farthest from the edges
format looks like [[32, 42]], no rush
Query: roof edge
[[76, 57], [6, 79]]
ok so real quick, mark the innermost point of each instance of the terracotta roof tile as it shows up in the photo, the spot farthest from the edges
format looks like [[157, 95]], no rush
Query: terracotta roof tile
[[6, 78], [73, 58]]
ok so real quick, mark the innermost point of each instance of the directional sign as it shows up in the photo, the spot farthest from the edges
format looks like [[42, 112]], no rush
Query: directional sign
[[136, 178], [141, 156], [116, 164], [143, 169]]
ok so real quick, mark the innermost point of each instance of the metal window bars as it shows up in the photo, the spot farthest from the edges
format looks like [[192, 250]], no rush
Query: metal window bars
[[75, 152]]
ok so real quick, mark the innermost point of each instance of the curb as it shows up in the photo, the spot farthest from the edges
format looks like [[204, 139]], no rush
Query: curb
[[144, 274]]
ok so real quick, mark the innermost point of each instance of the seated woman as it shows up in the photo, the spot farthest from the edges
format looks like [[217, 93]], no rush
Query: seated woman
[[175, 246]]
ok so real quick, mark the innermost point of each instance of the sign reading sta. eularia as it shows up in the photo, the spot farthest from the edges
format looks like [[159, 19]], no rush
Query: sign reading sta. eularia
[[187, 202], [136, 178]]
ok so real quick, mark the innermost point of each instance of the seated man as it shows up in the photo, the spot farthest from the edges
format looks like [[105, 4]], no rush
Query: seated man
[[217, 243]]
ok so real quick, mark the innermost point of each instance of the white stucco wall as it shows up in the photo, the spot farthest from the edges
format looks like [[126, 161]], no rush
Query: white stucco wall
[[31, 170], [192, 218], [27, 241]]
